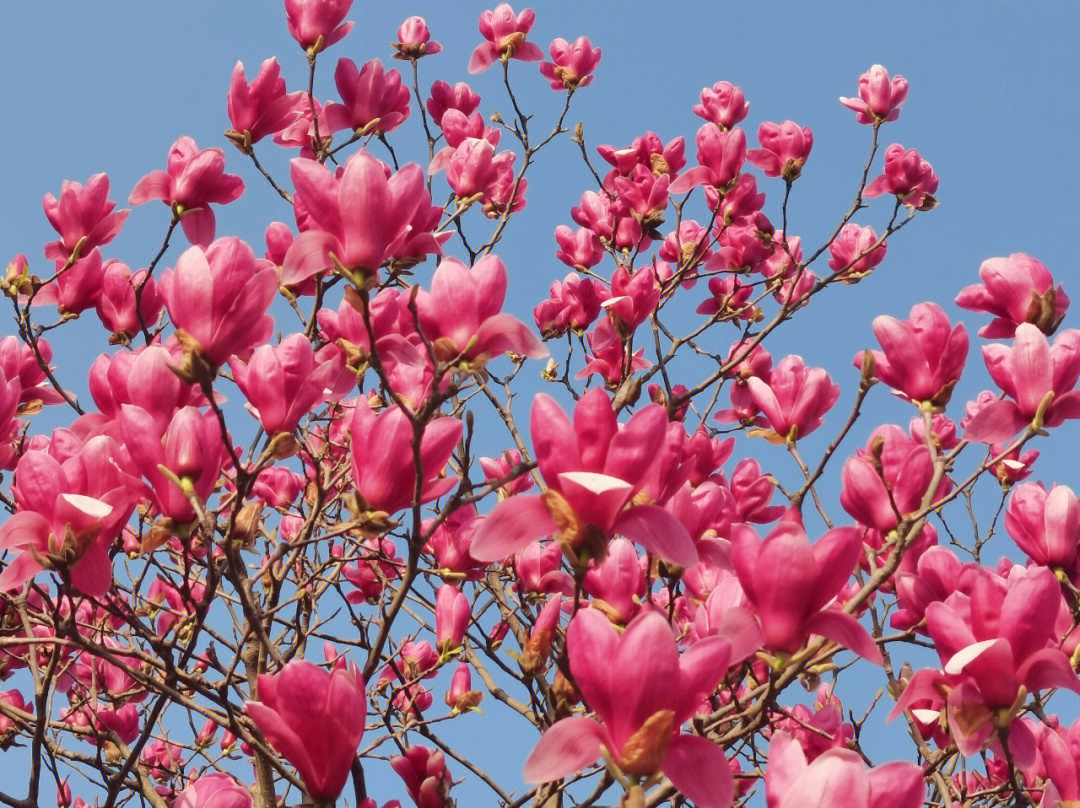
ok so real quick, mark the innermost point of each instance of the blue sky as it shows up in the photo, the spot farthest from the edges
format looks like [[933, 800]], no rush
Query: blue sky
[[94, 87]]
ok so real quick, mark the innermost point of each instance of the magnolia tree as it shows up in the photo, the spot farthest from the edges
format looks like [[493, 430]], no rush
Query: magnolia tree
[[208, 607]]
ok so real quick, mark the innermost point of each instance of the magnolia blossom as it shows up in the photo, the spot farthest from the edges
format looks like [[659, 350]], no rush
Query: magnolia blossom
[[215, 790], [794, 398], [317, 24], [907, 176], [784, 149], [642, 691], [414, 40], [593, 468], [462, 314], [1046, 526], [922, 357], [505, 33], [373, 99], [193, 180], [1017, 289], [571, 65], [1039, 380], [261, 107], [83, 216], [879, 96], [315, 719], [722, 104]]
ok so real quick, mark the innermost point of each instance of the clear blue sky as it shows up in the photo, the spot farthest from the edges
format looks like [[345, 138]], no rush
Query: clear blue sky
[[97, 86]]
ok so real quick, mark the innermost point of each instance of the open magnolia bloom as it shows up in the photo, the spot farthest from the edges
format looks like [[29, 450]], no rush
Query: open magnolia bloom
[[594, 468], [642, 691]]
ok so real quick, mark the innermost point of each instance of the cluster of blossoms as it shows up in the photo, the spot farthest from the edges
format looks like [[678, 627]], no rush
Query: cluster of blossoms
[[622, 579]]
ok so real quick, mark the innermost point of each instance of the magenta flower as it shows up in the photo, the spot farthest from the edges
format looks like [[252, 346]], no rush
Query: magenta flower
[[888, 480], [76, 288], [284, 382], [935, 578], [907, 176], [1045, 526], [1017, 289], [992, 643], [425, 776], [219, 298], [83, 216], [837, 778], [452, 615], [505, 34], [571, 66], [382, 457], [215, 790], [317, 24], [70, 509], [187, 456], [573, 303], [784, 149], [794, 399], [444, 97], [314, 719], [260, 108], [414, 40], [143, 378], [374, 100], [879, 96], [722, 104], [361, 219], [192, 181], [791, 582], [855, 251], [594, 468], [921, 357], [642, 691], [578, 249], [1029, 372], [116, 306], [462, 314], [720, 156]]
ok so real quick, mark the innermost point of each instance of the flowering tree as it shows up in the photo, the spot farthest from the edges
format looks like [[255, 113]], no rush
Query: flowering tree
[[207, 607]]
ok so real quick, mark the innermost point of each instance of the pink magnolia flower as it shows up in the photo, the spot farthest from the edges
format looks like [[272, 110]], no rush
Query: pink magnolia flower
[[425, 776], [77, 287], [855, 252], [784, 149], [414, 40], [642, 691], [907, 176], [144, 378], [193, 180], [499, 468], [187, 456], [219, 298], [505, 34], [609, 358], [578, 249], [633, 297], [1045, 526], [457, 129], [444, 97], [117, 305], [360, 219], [462, 314], [839, 778], [571, 66], [72, 500], [791, 582], [879, 96], [18, 360], [888, 480], [617, 584], [992, 643], [317, 24], [382, 457], [284, 382], [794, 398], [921, 357], [722, 104], [935, 577], [299, 129], [83, 216], [452, 615], [1030, 372], [314, 719], [593, 468], [260, 108], [215, 790], [1017, 289], [720, 156], [374, 100], [460, 696]]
